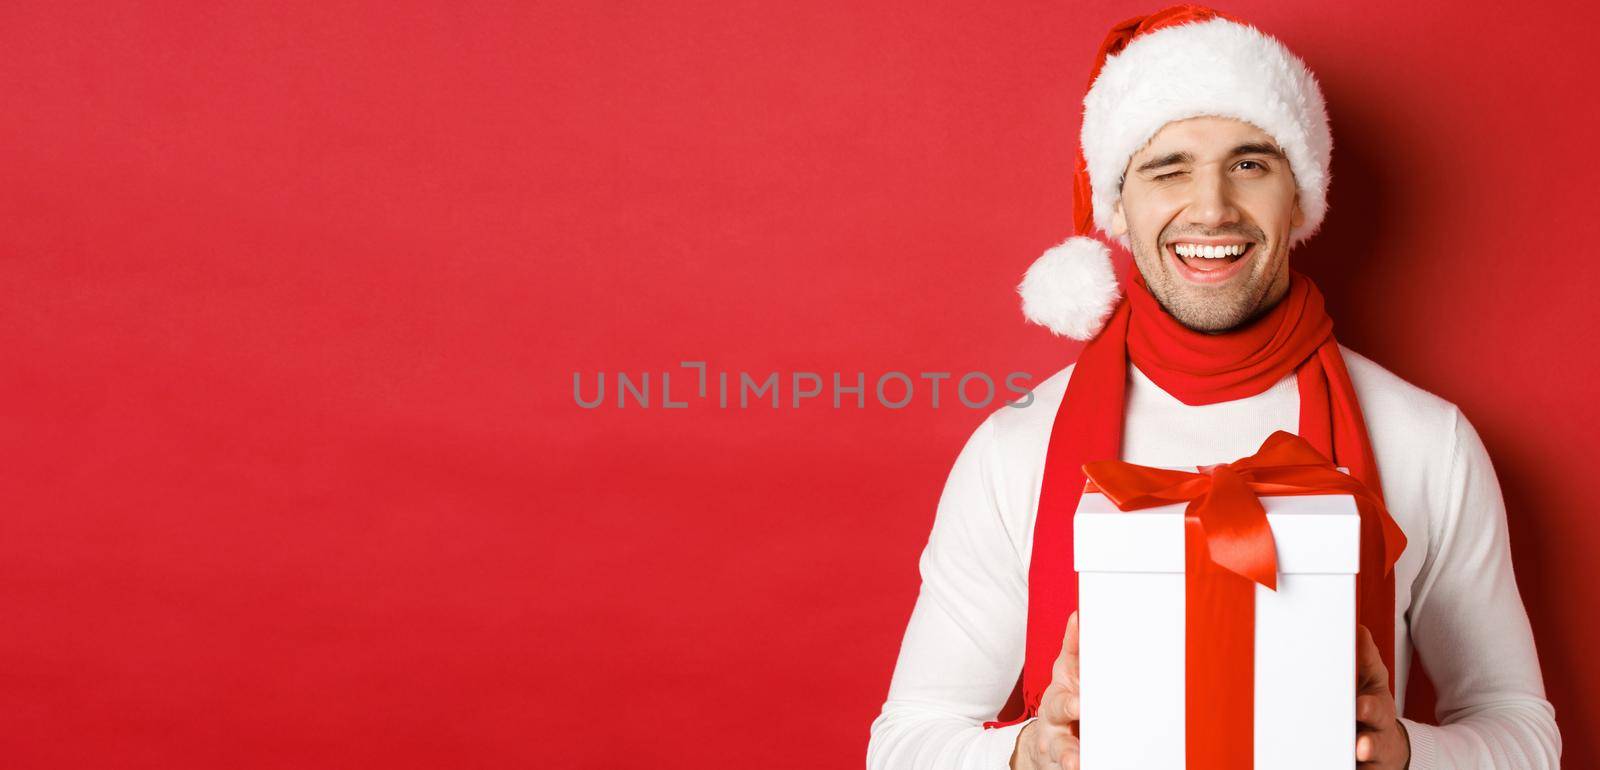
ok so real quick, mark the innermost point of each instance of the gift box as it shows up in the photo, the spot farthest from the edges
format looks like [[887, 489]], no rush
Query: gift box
[[1133, 620]]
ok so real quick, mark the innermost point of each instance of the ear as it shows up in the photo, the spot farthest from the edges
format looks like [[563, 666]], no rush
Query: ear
[[1298, 218], [1119, 220]]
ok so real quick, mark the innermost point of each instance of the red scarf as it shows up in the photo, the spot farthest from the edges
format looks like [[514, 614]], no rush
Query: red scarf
[[1296, 335]]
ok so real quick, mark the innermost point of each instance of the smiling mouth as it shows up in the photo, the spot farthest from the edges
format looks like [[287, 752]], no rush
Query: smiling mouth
[[1209, 263]]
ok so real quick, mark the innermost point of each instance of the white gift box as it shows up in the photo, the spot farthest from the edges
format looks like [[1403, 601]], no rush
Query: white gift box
[[1131, 635]]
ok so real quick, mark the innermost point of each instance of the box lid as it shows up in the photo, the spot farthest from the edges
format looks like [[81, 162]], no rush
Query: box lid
[[1313, 533]]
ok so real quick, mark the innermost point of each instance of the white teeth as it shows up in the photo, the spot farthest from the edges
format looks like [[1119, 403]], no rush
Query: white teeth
[[1209, 252]]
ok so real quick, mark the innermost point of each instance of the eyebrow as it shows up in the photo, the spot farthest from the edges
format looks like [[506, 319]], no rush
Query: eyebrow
[[1174, 158]]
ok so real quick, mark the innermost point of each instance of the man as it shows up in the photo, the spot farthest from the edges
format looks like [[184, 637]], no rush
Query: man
[[1205, 149]]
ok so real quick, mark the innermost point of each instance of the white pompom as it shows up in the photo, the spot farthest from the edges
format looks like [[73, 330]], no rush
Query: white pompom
[[1071, 289]]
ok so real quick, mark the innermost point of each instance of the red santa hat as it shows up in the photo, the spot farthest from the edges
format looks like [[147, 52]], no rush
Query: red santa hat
[[1181, 62]]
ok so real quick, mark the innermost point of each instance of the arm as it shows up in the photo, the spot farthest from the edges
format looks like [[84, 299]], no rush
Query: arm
[[963, 648], [1469, 625]]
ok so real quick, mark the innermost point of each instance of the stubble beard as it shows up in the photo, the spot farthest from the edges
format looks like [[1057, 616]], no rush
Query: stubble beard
[[1212, 310]]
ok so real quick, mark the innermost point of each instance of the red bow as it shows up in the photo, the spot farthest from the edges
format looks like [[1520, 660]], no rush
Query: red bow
[[1224, 497]]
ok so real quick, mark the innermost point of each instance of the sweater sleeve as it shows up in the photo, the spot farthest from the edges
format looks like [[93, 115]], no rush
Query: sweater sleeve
[[962, 650], [1471, 630]]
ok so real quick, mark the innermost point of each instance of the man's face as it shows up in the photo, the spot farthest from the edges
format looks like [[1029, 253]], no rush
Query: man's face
[[1218, 182]]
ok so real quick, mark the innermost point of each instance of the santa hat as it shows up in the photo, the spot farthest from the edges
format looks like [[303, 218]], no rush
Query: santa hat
[[1180, 62]]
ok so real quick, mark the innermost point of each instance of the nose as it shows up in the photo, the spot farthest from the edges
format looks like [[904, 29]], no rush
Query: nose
[[1212, 205]]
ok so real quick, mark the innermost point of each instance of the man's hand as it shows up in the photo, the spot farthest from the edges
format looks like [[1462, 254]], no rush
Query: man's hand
[[1051, 741], [1381, 740]]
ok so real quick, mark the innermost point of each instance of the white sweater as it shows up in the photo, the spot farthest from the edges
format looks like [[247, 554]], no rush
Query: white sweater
[[1457, 599]]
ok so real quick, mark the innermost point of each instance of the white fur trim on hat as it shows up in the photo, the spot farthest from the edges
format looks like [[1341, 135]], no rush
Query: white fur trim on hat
[[1214, 67], [1071, 289]]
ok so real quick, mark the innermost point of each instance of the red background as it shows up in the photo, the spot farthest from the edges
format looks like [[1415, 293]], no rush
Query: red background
[[293, 298]]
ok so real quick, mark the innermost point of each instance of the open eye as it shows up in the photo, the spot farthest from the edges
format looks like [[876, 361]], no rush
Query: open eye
[[1258, 165]]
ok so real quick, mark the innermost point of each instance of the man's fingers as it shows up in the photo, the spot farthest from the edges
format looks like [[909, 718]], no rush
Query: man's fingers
[[1069, 640], [1064, 709], [1066, 666], [1068, 710], [1371, 674], [1370, 753], [1373, 712], [1064, 750], [1366, 748], [1060, 702], [1059, 706]]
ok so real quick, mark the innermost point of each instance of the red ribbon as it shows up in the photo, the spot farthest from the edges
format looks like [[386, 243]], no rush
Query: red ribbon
[[1228, 547]]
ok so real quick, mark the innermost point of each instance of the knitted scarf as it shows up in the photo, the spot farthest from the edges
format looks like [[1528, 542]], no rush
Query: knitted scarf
[[1295, 335]]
